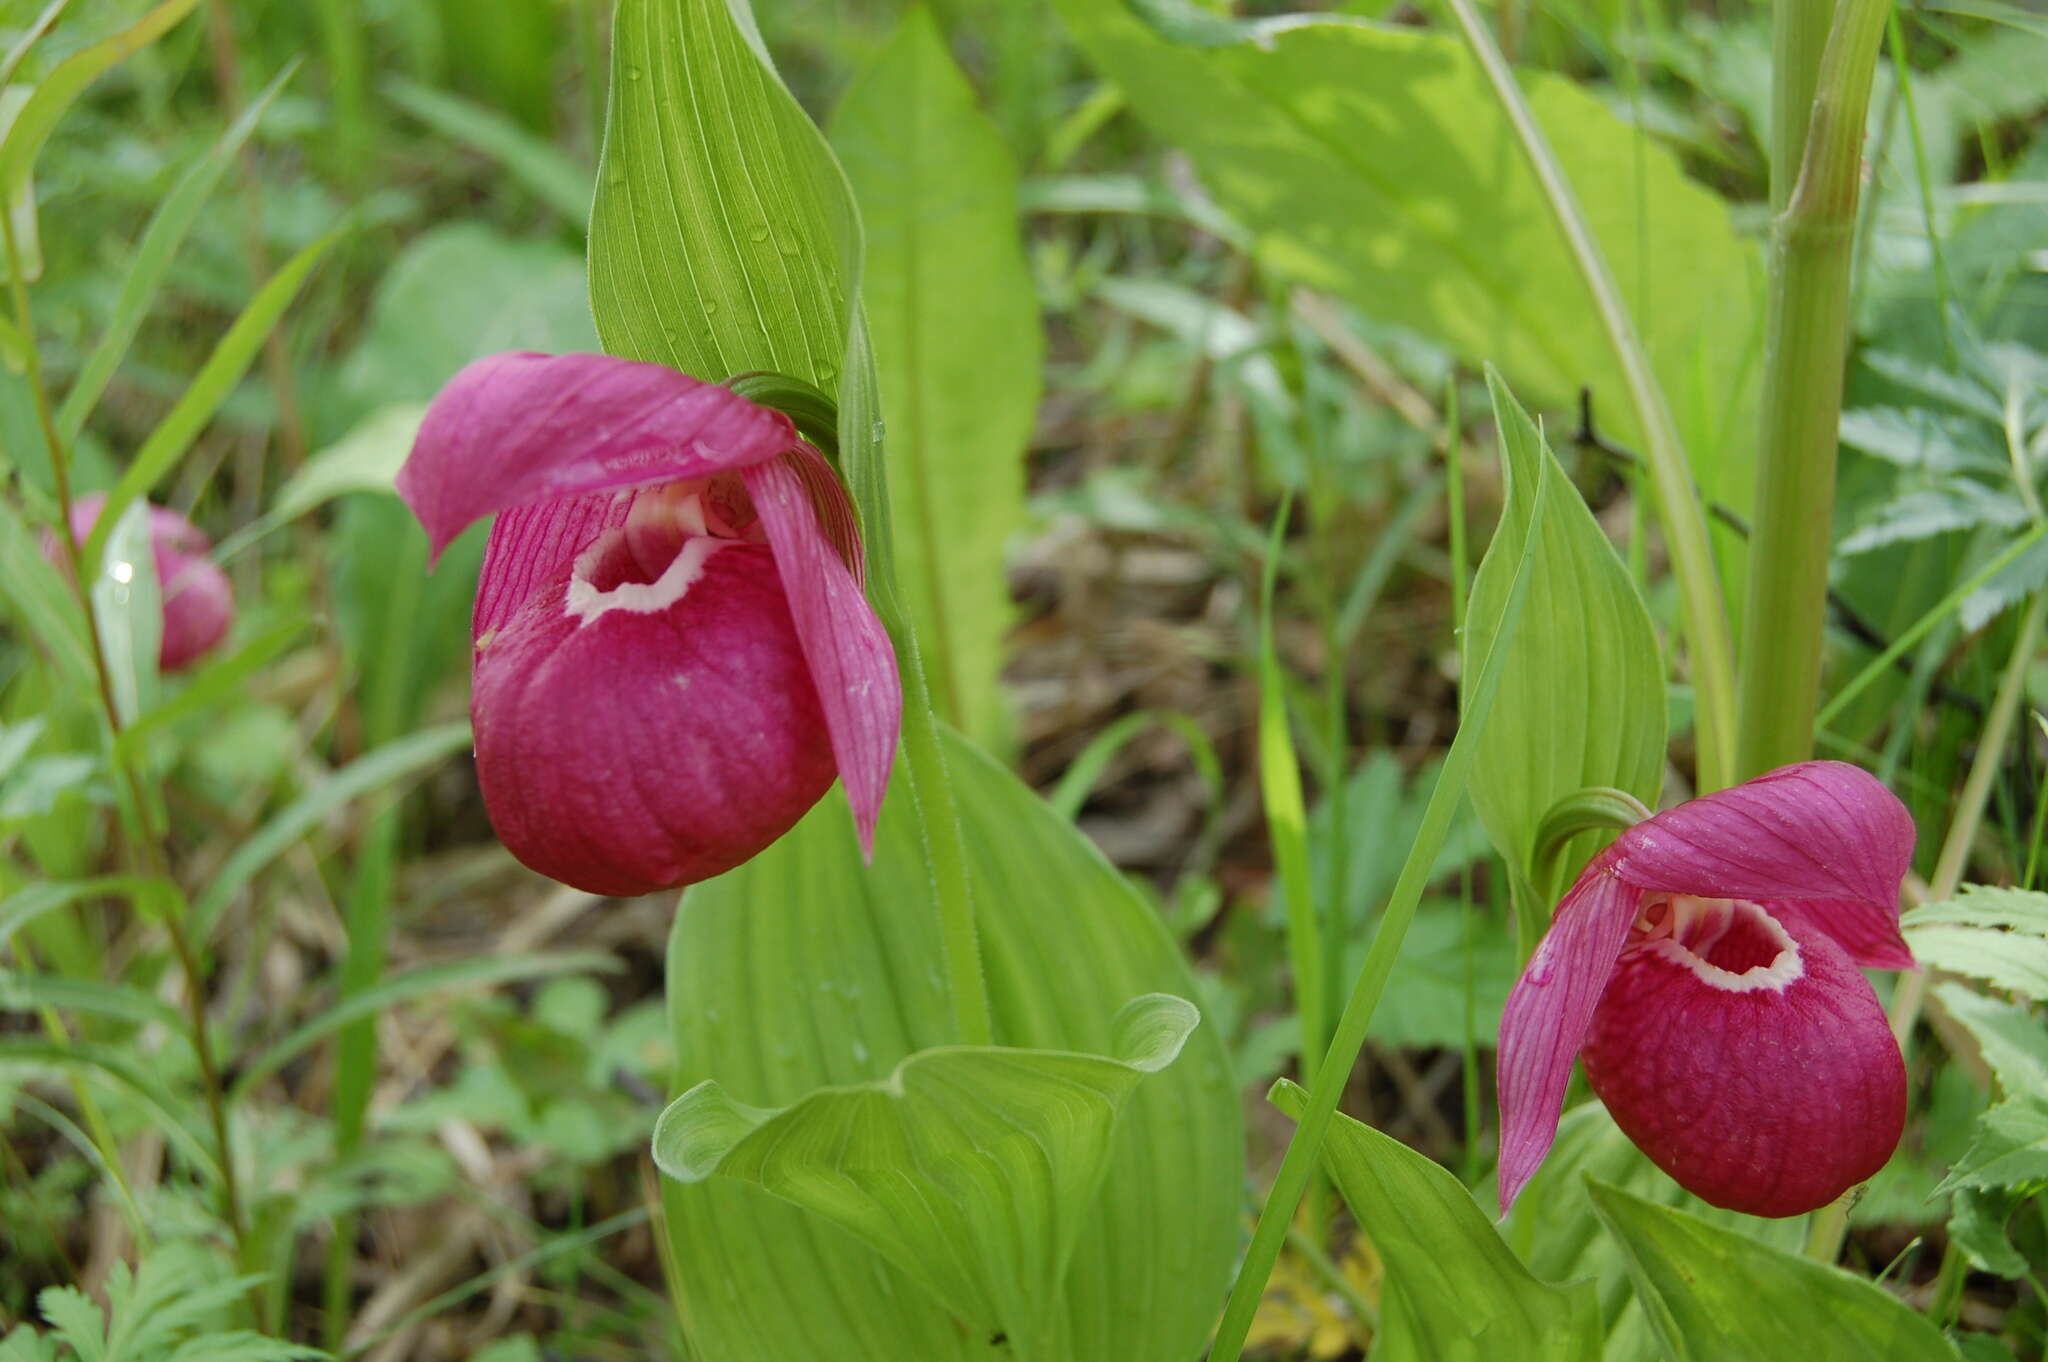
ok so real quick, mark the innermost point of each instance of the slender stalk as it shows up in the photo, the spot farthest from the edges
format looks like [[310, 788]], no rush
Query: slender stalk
[[1824, 1241], [1678, 505], [1298, 1165], [145, 839], [1807, 338], [946, 852], [1799, 36]]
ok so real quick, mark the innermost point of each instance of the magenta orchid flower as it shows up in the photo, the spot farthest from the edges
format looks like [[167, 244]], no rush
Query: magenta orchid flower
[[675, 655], [1705, 967], [198, 602]]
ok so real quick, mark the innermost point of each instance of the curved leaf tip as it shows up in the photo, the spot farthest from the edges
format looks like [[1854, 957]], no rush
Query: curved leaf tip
[[1151, 1029]]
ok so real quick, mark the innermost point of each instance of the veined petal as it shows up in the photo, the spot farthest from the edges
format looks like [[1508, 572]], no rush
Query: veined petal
[[851, 660], [1771, 1099], [1549, 1011], [521, 427], [1822, 833], [531, 546]]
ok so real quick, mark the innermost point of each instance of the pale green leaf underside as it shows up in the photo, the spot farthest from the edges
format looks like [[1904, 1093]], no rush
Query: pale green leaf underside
[[1988, 932], [1376, 163], [1716, 1296], [953, 318], [1454, 1290], [1582, 703], [970, 1168], [803, 971]]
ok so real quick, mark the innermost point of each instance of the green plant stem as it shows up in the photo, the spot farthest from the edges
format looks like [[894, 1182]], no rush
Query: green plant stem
[[145, 838], [931, 788], [1825, 1239], [1298, 1165], [1806, 347], [1678, 504], [1799, 36]]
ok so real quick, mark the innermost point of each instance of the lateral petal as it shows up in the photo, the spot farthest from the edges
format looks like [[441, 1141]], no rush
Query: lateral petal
[[1548, 1012], [850, 657], [1823, 833], [521, 427]]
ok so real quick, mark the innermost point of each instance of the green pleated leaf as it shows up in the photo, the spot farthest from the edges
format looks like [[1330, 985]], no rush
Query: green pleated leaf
[[1582, 701], [801, 971], [953, 317], [1376, 163], [1715, 1296], [722, 233], [1453, 1290], [969, 1168], [1554, 1230]]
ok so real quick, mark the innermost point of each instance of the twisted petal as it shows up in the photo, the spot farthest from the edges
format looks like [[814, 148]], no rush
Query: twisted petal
[[519, 428], [1768, 1100], [1548, 1012], [844, 644], [1822, 833]]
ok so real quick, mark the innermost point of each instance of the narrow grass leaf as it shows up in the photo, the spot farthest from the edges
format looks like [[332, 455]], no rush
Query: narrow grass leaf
[[223, 369], [393, 762], [553, 177], [410, 987], [20, 992], [24, 906], [166, 232], [209, 687], [41, 601]]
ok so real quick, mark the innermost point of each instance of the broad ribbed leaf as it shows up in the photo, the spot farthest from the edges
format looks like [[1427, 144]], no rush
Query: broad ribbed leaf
[[953, 318], [1376, 163], [799, 972], [1715, 1296], [1582, 701], [969, 1168], [722, 231], [1453, 1289], [1555, 1232]]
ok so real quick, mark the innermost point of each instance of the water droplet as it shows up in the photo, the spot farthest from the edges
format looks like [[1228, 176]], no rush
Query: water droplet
[[786, 242], [617, 179], [759, 232], [632, 73], [710, 306], [671, 335], [826, 373], [860, 1053]]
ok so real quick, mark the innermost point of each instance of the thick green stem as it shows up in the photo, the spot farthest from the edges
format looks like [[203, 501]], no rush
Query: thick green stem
[[1807, 337], [1678, 504]]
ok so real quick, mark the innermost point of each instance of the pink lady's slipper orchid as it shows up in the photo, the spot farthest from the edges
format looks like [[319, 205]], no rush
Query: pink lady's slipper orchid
[[674, 652], [198, 602], [1705, 967]]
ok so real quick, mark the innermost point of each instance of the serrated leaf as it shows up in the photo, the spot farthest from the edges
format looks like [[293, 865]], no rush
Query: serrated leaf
[[802, 971], [76, 1319], [1582, 701], [1919, 438], [2013, 583], [1715, 1296], [953, 319], [2011, 1146], [1453, 1289], [1958, 504], [1977, 1227], [2008, 959], [970, 1169], [2013, 1040], [1930, 381], [1376, 163]]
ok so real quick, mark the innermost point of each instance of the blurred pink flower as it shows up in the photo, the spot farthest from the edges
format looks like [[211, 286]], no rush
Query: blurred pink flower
[[198, 602], [1705, 967], [674, 651]]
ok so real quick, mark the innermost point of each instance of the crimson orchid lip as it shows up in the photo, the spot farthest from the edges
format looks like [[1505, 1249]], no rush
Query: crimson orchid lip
[[675, 656], [1706, 968], [198, 601]]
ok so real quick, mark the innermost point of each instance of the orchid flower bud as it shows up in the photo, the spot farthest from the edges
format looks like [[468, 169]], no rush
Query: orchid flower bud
[[198, 602], [1706, 968], [675, 655]]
